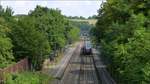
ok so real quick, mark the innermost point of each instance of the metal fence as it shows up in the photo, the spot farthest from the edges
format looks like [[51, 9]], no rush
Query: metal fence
[[15, 68]]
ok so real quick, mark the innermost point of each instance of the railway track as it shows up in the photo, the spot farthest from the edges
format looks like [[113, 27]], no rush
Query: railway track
[[80, 70], [84, 69], [101, 69], [71, 73], [87, 70]]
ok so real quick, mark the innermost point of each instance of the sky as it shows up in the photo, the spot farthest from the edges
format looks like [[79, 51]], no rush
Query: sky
[[84, 8]]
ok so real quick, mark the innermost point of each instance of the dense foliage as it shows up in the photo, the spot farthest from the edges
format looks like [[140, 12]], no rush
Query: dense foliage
[[29, 42], [6, 55], [28, 78], [73, 34], [35, 35], [123, 30]]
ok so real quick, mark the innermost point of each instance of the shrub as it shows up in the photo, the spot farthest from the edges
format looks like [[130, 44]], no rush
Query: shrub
[[28, 78]]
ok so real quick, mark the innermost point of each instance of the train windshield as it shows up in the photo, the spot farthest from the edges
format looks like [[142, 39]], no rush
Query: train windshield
[[88, 45]]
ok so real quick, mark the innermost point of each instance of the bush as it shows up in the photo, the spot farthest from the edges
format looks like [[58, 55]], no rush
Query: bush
[[28, 78], [6, 55], [123, 32]]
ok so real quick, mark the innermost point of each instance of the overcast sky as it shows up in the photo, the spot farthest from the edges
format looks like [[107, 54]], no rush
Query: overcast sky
[[70, 8]]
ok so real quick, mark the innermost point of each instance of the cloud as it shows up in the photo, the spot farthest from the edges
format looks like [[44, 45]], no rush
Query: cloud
[[42, 3], [70, 8]]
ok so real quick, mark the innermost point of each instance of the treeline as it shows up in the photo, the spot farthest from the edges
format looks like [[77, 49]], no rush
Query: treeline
[[35, 35], [81, 17], [75, 17], [92, 17], [123, 31], [83, 25]]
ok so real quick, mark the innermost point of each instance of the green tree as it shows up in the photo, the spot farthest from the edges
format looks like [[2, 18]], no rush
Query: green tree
[[6, 55], [52, 23], [30, 42], [123, 31], [74, 34]]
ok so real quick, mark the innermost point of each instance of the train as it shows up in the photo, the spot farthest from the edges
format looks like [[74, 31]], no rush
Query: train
[[87, 48]]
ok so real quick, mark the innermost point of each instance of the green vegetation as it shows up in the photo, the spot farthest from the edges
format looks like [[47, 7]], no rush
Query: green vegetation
[[35, 35], [82, 24], [89, 21], [29, 42], [6, 55], [76, 17], [28, 78], [73, 34], [92, 17], [123, 31]]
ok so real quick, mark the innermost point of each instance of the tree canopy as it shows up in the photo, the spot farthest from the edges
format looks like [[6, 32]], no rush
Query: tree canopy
[[6, 55], [123, 32], [35, 35]]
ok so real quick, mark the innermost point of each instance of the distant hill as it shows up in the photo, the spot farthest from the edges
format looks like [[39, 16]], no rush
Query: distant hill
[[90, 21]]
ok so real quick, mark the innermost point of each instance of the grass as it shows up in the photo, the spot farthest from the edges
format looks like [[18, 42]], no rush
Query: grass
[[5, 65], [28, 78], [60, 56], [48, 64]]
